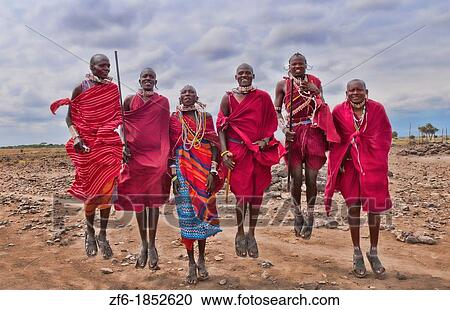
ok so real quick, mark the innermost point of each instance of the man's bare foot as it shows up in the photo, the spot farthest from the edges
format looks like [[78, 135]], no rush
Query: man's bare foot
[[141, 260], [240, 243], [191, 278], [153, 254], [202, 272], [90, 244]]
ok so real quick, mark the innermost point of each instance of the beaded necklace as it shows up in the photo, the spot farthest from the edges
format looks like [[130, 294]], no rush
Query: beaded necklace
[[358, 122], [243, 89], [197, 134]]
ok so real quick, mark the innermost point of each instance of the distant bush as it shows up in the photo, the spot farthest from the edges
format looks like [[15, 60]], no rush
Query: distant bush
[[394, 135]]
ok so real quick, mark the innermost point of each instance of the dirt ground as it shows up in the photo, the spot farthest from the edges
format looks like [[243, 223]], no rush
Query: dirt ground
[[39, 250]]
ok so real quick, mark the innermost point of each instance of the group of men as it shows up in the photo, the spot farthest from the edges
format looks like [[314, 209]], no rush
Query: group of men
[[357, 135]]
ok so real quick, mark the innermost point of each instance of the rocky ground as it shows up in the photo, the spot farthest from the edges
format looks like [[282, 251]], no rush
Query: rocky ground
[[42, 234]]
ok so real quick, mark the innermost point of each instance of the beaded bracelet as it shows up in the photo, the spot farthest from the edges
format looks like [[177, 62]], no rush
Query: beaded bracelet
[[174, 178], [224, 153]]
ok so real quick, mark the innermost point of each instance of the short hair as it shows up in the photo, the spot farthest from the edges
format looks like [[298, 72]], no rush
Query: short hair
[[149, 69], [297, 54], [188, 86], [94, 58], [359, 81], [245, 65]]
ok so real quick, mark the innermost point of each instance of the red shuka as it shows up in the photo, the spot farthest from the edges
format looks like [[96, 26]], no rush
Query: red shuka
[[143, 179], [95, 113], [253, 119], [369, 149]]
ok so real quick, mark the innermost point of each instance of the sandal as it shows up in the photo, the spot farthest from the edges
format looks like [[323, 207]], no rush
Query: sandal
[[375, 263], [90, 244], [153, 263], [252, 247], [202, 272], [299, 221], [359, 269], [308, 228], [240, 244], [105, 248], [191, 278], [141, 260]]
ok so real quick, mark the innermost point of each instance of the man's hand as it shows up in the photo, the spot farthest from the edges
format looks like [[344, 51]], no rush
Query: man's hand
[[79, 145], [308, 86], [289, 135], [210, 183], [228, 161], [126, 154], [176, 187], [261, 144]]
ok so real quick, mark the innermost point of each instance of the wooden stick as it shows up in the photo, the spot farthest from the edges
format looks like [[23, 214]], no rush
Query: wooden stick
[[227, 188]]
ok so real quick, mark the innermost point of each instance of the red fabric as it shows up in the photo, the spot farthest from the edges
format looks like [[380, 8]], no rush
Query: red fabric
[[95, 113], [309, 146], [142, 180], [369, 149], [251, 120]]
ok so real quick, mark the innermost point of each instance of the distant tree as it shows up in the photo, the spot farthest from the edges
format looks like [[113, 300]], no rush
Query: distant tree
[[394, 135], [412, 137], [428, 130]]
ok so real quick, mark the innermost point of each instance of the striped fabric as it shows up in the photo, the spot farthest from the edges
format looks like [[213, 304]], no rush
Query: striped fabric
[[196, 207], [95, 114]]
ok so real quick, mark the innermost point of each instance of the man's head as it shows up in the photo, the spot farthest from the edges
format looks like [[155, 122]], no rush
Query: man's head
[[188, 95], [147, 79], [357, 92], [297, 65], [244, 75], [100, 66]]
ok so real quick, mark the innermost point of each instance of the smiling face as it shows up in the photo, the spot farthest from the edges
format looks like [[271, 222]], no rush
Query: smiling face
[[356, 91], [244, 75], [147, 79], [188, 96], [297, 66], [100, 66]]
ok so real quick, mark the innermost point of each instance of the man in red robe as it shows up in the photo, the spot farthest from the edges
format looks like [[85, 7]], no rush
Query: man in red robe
[[144, 184], [358, 168], [246, 124], [312, 129], [95, 148]]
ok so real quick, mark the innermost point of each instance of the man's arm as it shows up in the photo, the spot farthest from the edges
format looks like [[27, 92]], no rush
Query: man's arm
[[227, 157], [78, 143], [279, 98]]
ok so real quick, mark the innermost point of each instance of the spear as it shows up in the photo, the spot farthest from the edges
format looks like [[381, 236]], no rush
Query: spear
[[290, 129], [121, 102]]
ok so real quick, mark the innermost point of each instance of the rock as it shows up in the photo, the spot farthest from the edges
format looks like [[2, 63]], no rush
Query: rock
[[223, 282], [431, 205], [405, 208], [390, 174], [401, 276], [322, 282], [333, 224], [106, 270], [265, 274], [11, 244], [180, 269], [426, 240], [218, 258], [64, 242], [411, 239], [266, 264], [309, 285]]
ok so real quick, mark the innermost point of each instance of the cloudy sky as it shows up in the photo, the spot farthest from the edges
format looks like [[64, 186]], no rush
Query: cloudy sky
[[202, 42]]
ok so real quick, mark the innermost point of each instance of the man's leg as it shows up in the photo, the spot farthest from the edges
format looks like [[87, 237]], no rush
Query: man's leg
[[192, 273], [252, 246], [372, 255], [141, 218], [103, 243], [296, 194], [153, 225], [202, 272], [240, 240], [311, 193], [90, 241], [354, 213]]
